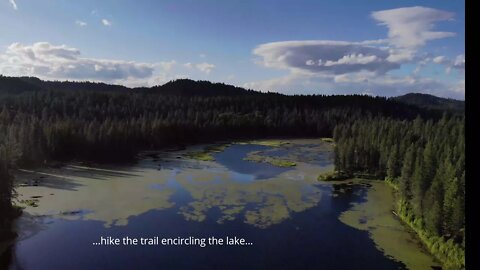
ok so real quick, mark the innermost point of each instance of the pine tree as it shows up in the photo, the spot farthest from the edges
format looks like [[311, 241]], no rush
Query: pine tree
[[433, 207], [393, 163], [407, 173], [451, 184]]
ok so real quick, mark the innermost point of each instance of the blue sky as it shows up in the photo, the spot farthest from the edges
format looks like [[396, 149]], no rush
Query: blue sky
[[382, 48]]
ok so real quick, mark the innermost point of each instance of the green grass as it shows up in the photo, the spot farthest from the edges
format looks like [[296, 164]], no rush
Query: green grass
[[282, 163], [334, 176], [217, 148], [450, 254], [18, 207], [272, 161], [329, 140], [203, 156], [30, 202], [392, 183], [271, 143], [207, 153]]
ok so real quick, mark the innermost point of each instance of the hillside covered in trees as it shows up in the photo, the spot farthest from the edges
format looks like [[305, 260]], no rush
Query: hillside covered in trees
[[76, 122], [432, 102], [425, 161], [414, 147]]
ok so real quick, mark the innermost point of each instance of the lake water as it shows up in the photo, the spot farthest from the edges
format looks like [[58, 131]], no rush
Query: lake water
[[292, 220]]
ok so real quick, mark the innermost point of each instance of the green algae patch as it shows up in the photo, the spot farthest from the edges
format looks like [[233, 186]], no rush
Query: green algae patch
[[203, 156], [274, 200], [30, 202], [257, 157], [270, 143], [451, 254], [281, 163], [207, 153], [333, 176], [106, 194], [375, 215], [328, 140]]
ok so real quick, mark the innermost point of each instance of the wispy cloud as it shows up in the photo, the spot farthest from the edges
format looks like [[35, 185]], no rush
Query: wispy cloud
[[62, 62], [80, 23], [14, 4], [458, 63], [364, 66], [324, 56], [411, 27], [50, 61], [205, 67], [167, 65], [106, 22]]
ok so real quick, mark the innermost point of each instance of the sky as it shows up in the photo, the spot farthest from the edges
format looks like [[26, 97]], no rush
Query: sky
[[375, 47]]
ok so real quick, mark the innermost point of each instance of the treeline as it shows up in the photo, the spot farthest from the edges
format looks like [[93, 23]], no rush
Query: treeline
[[8, 157], [62, 125], [425, 160]]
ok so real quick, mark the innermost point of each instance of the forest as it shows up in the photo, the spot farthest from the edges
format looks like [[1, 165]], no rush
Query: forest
[[425, 161], [419, 150]]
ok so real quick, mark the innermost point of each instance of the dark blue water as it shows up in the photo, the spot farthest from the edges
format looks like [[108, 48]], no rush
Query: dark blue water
[[311, 239], [307, 154], [233, 159]]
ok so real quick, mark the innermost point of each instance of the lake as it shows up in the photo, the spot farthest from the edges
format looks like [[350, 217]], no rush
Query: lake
[[292, 220]]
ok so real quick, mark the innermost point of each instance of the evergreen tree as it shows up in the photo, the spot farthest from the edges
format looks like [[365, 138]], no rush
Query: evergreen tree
[[407, 173]]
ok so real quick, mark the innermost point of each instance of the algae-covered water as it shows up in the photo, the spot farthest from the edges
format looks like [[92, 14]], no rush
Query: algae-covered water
[[292, 220]]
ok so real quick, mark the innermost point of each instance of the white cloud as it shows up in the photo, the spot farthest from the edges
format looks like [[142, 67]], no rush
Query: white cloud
[[410, 27], [357, 83], [106, 22], [14, 4], [459, 87], [205, 67], [459, 62], [359, 77], [329, 67], [49, 61], [289, 84], [61, 62], [202, 55], [439, 59], [353, 59], [324, 56], [80, 23], [167, 65]]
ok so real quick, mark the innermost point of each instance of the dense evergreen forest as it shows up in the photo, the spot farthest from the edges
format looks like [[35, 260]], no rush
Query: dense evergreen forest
[[110, 125], [415, 148], [425, 161]]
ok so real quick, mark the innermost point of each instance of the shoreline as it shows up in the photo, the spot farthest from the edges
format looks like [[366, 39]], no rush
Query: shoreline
[[388, 233]]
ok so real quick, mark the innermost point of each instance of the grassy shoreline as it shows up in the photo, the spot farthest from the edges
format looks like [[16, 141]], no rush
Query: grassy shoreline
[[451, 255], [207, 153], [388, 233], [271, 161]]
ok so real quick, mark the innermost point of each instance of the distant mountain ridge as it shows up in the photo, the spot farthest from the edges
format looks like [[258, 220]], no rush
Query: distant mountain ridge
[[187, 87], [431, 102], [180, 87]]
